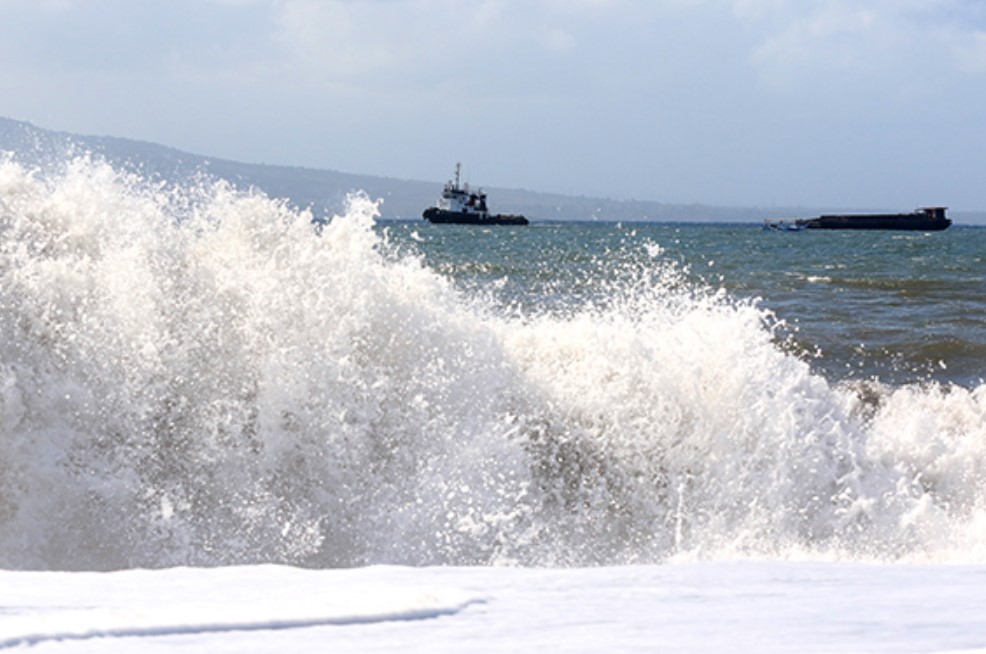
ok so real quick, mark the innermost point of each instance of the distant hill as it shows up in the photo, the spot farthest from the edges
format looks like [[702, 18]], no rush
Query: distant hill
[[325, 190]]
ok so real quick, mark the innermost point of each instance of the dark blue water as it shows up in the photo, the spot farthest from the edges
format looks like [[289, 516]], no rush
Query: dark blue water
[[897, 307]]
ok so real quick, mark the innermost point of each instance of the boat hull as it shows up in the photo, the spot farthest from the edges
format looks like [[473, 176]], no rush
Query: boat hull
[[440, 216], [783, 226], [926, 220]]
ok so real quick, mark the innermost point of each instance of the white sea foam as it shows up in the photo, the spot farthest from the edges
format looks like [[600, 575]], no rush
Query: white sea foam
[[202, 376], [770, 607], [197, 603]]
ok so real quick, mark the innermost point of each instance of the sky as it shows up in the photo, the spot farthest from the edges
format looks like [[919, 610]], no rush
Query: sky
[[826, 103]]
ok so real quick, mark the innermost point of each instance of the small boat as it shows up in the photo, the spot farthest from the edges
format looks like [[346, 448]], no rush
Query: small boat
[[783, 226], [458, 205]]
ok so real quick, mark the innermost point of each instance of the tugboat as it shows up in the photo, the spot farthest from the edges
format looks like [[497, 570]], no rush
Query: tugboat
[[458, 205]]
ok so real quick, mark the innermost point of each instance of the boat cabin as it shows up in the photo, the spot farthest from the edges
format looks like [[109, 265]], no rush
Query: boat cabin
[[458, 198]]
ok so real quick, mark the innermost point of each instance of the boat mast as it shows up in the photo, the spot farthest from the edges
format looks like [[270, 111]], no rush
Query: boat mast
[[458, 165]]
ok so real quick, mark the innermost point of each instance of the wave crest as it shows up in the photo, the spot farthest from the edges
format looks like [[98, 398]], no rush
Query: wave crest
[[203, 375]]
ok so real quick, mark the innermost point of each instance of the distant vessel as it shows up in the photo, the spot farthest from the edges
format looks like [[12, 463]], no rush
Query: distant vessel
[[925, 219], [458, 205], [784, 225]]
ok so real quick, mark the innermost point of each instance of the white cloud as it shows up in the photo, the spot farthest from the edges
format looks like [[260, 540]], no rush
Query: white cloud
[[581, 5], [58, 5], [476, 49], [813, 42], [333, 38], [558, 40], [970, 53], [750, 9], [398, 39], [836, 38]]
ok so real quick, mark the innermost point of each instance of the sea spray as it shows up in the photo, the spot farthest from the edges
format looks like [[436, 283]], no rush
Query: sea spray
[[223, 382], [203, 375]]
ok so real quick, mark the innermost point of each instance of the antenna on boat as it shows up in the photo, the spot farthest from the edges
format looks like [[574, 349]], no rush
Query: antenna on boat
[[458, 165]]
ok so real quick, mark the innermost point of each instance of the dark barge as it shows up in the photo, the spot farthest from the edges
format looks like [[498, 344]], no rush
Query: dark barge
[[925, 219]]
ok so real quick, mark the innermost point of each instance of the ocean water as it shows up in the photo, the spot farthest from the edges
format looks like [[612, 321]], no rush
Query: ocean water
[[893, 307], [203, 376]]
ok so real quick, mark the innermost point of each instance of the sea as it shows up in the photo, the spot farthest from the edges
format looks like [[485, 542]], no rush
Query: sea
[[229, 424]]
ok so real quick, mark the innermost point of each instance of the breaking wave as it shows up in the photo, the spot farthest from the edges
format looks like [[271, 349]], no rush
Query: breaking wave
[[203, 376]]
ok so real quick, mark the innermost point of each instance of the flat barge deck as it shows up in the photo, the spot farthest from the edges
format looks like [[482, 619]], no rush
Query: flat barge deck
[[925, 219]]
